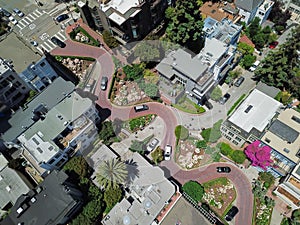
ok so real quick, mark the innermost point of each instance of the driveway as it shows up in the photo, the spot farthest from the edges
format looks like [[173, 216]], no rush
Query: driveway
[[168, 115]]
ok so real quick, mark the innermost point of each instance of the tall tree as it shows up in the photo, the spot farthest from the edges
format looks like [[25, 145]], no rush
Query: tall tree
[[185, 24], [111, 173]]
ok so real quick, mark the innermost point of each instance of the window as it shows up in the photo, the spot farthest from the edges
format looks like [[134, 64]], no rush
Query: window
[[42, 64], [230, 134], [296, 119], [235, 142], [286, 150], [238, 139], [51, 161]]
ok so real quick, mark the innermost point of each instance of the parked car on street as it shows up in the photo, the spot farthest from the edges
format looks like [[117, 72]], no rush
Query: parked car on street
[[168, 152], [273, 44], [5, 12], [254, 66], [223, 169], [231, 213], [151, 146], [62, 17], [58, 42], [103, 85], [12, 20], [34, 43], [18, 12], [224, 99], [239, 81]]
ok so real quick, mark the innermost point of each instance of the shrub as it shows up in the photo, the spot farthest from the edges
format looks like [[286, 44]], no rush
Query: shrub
[[212, 134], [181, 132], [226, 149], [238, 156], [201, 144], [235, 104], [157, 155], [206, 134], [194, 190]]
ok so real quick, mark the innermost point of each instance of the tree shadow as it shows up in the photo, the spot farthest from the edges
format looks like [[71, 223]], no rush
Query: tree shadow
[[132, 169]]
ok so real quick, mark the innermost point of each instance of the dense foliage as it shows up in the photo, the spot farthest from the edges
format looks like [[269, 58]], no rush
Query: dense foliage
[[212, 134], [112, 196], [259, 156], [185, 24], [134, 72], [280, 68], [279, 16], [110, 40], [157, 155], [107, 132], [194, 190]]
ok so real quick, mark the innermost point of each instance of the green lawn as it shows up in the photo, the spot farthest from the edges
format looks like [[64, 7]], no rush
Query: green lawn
[[186, 105]]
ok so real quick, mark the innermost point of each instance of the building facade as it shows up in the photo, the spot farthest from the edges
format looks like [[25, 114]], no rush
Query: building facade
[[13, 90], [127, 20]]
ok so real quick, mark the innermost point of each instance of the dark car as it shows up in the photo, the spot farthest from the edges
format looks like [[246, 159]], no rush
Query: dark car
[[224, 99], [273, 44], [58, 42], [231, 213], [5, 12], [239, 81], [62, 17], [223, 169]]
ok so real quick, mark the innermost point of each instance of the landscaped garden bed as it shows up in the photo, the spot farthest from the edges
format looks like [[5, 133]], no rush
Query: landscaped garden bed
[[186, 105], [219, 195], [81, 35]]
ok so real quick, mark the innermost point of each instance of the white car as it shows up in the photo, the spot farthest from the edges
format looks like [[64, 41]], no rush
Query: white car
[[13, 20], [168, 152], [152, 144], [18, 12], [254, 66]]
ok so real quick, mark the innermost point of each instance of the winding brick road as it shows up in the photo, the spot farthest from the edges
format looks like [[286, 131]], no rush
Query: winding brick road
[[203, 174]]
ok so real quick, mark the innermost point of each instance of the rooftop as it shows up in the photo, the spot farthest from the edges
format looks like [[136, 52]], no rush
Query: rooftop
[[218, 11], [283, 135], [246, 40], [256, 111], [248, 5], [223, 30], [46, 204], [11, 184], [38, 139], [4, 66], [148, 193], [182, 62], [51, 96]]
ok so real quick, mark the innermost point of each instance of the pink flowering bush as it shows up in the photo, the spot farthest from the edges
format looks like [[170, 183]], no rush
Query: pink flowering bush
[[259, 156]]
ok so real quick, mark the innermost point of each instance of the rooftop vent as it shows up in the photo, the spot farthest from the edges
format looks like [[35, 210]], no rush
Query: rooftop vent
[[8, 188], [248, 108], [1, 178], [33, 200]]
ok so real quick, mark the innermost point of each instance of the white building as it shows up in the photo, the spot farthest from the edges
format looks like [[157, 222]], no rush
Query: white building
[[67, 128], [250, 119]]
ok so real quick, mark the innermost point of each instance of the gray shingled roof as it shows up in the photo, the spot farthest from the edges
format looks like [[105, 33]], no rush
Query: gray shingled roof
[[248, 5], [52, 95], [284, 131]]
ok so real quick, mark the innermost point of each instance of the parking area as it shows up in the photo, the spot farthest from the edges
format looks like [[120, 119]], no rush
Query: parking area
[[14, 49], [185, 214]]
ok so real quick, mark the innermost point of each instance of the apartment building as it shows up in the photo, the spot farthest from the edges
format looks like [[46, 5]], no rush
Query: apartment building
[[145, 197], [66, 129], [289, 190], [127, 20], [294, 7], [13, 90], [54, 201], [249, 120], [39, 75], [199, 74], [283, 137]]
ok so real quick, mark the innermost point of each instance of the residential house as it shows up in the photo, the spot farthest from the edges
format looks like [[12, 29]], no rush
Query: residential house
[[12, 185], [69, 127], [250, 119], [127, 20], [25, 117], [13, 90], [145, 197], [249, 9], [54, 201], [294, 7], [199, 74], [289, 190], [284, 139], [219, 10], [39, 75]]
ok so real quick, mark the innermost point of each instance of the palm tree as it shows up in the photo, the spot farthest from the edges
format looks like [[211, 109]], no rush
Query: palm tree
[[112, 173]]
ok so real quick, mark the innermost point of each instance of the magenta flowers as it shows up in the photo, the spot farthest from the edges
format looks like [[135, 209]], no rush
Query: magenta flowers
[[259, 156]]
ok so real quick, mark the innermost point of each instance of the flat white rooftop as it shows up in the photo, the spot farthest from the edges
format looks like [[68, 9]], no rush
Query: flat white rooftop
[[255, 112], [122, 6]]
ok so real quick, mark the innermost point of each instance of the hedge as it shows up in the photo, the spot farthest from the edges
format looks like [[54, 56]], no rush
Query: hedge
[[236, 104]]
